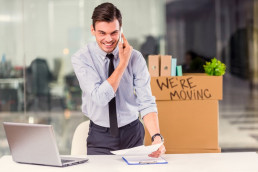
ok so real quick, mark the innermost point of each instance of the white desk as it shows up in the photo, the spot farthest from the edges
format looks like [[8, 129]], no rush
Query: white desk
[[212, 162]]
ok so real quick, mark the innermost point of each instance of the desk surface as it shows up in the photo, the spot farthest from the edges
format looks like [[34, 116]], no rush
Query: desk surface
[[210, 162]]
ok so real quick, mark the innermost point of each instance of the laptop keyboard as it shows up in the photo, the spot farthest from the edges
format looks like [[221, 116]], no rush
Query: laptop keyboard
[[66, 160]]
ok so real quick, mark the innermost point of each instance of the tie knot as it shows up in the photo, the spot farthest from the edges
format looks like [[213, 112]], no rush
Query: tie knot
[[110, 56]]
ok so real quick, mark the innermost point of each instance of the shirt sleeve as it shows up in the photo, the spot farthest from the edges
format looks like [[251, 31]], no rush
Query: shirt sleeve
[[145, 100], [101, 92]]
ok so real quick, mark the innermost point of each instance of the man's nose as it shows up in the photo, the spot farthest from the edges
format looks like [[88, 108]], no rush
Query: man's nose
[[108, 38]]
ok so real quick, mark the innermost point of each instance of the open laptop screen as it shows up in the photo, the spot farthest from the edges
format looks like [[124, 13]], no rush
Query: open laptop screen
[[32, 143]]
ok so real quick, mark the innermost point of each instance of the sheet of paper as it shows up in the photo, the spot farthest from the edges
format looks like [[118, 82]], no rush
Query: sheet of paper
[[139, 150]]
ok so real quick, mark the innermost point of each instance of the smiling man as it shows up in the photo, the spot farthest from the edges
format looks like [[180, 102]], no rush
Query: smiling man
[[115, 86]]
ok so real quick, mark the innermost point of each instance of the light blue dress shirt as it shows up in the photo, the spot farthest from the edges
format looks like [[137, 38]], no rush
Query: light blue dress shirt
[[91, 68]]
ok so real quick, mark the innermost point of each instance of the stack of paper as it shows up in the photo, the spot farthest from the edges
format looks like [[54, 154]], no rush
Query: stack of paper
[[139, 155]]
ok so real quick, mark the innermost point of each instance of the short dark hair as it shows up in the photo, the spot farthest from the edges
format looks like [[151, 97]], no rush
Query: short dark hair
[[106, 12]]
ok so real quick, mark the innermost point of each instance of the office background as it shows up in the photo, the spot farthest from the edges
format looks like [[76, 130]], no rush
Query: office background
[[38, 37]]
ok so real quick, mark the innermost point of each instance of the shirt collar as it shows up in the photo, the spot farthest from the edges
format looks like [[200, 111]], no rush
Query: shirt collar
[[103, 53]]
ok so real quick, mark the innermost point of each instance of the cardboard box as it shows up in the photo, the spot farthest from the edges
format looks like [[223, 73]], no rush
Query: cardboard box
[[188, 125], [187, 87]]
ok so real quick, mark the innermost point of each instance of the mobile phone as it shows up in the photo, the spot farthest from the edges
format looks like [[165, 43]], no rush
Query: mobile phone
[[120, 35]]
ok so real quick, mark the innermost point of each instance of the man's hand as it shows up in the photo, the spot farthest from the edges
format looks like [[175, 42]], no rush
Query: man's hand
[[161, 149], [125, 51], [151, 122]]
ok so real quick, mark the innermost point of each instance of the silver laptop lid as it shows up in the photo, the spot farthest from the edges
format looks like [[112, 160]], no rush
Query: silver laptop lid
[[32, 143]]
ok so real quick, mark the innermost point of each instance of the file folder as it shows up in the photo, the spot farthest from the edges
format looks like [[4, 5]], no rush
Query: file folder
[[165, 67], [154, 65], [173, 67], [143, 160], [179, 71]]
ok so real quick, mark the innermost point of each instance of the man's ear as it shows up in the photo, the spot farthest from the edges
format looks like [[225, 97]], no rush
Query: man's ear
[[92, 30]]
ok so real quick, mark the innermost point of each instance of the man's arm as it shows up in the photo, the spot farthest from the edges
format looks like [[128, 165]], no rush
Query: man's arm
[[151, 122], [125, 51], [146, 102]]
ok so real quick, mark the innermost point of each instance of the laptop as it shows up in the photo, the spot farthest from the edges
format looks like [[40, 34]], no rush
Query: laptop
[[36, 144]]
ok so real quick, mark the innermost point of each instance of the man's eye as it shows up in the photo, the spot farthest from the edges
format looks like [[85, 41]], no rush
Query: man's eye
[[113, 34], [102, 33]]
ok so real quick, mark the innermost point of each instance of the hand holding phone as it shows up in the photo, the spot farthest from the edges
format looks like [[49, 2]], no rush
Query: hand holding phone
[[125, 49]]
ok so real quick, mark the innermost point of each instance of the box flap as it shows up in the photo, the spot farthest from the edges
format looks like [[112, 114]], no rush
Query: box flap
[[187, 87]]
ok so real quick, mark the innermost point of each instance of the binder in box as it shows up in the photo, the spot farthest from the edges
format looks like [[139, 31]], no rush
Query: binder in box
[[154, 65], [173, 67], [165, 67]]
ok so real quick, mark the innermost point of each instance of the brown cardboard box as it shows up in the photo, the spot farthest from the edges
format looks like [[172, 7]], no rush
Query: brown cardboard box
[[188, 125], [165, 66], [154, 66], [196, 87]]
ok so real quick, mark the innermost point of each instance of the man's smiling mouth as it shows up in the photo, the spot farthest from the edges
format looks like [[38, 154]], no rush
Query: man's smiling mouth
[[108, 44]]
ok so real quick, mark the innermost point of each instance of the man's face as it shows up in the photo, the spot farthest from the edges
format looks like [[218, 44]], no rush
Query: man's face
[[107, 34]]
